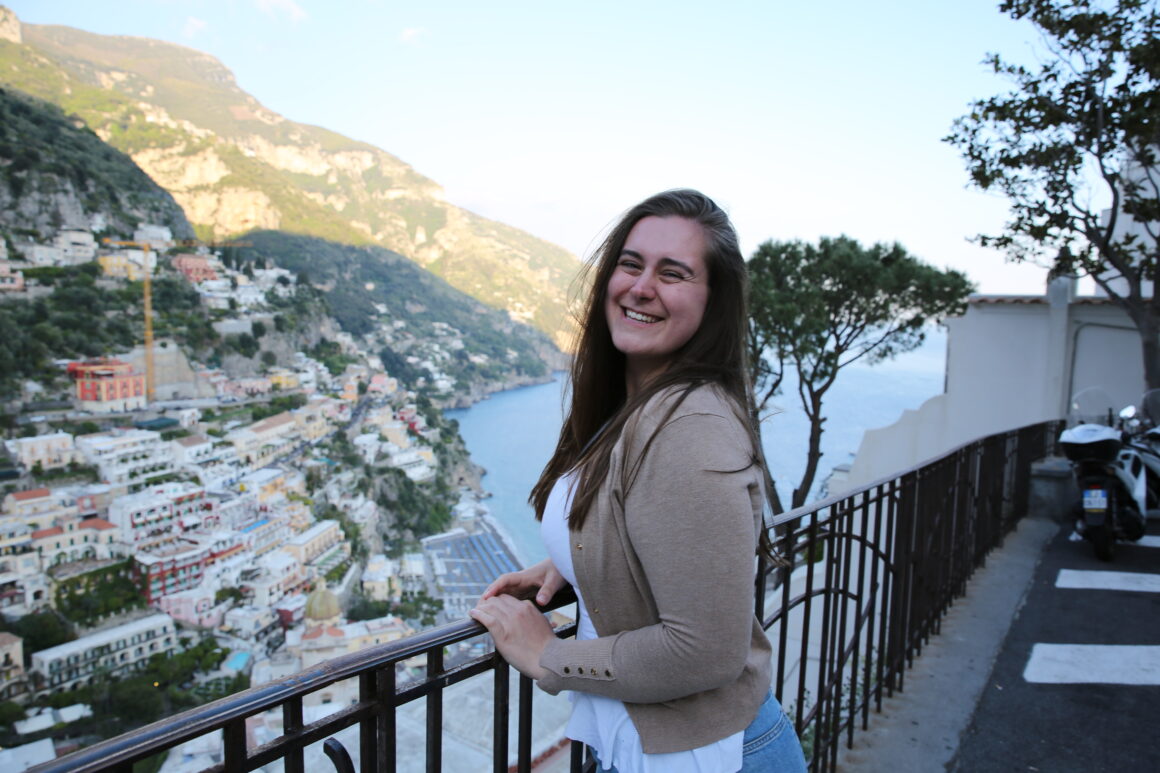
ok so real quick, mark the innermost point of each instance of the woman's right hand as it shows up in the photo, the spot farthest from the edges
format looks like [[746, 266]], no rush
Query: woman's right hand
[[541, 581]]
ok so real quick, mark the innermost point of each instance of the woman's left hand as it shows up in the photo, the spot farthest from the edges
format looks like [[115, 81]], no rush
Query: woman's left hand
[[519, 629]]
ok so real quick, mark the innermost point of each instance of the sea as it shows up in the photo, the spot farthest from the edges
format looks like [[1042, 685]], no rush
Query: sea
[[512, 433]]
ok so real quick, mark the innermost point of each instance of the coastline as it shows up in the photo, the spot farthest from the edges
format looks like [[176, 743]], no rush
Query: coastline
[[483, 392]]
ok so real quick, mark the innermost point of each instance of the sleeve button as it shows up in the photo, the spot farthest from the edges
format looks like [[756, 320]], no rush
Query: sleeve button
[[592, 671], [567, 669], [607, 673]]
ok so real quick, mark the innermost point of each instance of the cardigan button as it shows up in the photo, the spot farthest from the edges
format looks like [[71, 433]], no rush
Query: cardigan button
[[567, 669], [608, 673], [579, 546]]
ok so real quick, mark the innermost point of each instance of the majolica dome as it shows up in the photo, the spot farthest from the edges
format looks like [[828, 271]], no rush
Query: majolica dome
[[322, 606]]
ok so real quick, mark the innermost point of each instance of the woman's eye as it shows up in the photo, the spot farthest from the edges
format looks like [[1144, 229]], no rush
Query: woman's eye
[[629, 265], [672, 276]]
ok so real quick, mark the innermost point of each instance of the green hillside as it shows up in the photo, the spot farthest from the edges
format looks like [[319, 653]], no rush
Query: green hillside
[[53, 170], [360, 281], [235, 167]]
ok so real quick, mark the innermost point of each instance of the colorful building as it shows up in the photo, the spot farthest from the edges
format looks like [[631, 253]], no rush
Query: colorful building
[[108, 386], [171, 569], [195, 268]]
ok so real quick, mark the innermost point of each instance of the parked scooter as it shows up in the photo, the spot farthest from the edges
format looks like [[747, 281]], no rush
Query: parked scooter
[[1112, 483], [1143, 437]]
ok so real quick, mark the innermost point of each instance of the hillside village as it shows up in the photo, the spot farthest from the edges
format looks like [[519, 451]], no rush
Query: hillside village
[[264, 517]]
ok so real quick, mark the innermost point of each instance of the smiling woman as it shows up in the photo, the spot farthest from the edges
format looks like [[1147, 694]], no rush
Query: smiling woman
[[655, 493], [657, 295]]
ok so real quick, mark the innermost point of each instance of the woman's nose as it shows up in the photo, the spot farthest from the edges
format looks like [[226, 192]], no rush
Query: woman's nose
[[644, 286]]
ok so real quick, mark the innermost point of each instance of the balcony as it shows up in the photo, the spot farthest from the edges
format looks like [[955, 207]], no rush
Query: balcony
[[888, 560]]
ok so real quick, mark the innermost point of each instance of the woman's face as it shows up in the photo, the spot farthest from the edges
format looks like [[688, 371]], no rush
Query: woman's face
[[657, 294]]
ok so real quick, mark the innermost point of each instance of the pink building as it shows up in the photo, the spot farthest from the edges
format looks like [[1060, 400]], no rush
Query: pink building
[[195, 268]]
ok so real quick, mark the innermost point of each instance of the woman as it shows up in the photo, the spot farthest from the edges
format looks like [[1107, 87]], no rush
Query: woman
[[651, 509]]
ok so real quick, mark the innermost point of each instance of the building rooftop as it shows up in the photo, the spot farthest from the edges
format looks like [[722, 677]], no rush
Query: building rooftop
[[313, 532], [36, 493], [273, 422]]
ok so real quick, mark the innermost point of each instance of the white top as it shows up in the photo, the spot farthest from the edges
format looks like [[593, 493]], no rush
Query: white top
[[603, 723]]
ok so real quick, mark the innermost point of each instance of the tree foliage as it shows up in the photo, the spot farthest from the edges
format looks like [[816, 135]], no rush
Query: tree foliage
[[39, 630], [1076, 134], [818, 308]]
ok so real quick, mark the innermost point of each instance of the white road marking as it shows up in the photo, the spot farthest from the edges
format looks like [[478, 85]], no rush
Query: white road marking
[[1149, 541], [1093, 664], [1087, 580]]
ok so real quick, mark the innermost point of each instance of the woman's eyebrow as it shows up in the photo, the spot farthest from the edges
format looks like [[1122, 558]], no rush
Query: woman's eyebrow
[[662, 262], [674, 262]]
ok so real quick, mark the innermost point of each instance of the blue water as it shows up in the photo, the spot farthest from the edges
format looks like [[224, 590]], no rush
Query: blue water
[[513, 433], [237, 661]]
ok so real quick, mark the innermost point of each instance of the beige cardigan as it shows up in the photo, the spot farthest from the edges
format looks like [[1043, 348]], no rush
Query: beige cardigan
[[666, 566]]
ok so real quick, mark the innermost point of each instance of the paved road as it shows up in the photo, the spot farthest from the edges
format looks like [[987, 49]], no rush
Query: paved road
[[1076, 685]]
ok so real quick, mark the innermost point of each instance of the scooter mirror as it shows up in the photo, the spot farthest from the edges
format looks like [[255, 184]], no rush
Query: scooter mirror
[[1129, 412]]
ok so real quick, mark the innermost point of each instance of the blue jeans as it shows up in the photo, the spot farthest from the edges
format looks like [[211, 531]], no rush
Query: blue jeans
[[770, 744]]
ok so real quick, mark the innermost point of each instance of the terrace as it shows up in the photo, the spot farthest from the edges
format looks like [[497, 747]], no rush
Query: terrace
[[890, 559]]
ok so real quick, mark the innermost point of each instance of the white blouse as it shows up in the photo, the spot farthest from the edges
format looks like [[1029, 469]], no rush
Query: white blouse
[[603, 723]]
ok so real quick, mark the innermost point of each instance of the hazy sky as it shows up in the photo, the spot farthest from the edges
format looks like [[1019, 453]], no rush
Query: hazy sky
[[802, 119]]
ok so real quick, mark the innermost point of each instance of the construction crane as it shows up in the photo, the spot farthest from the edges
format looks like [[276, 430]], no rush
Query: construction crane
[[148, 291]]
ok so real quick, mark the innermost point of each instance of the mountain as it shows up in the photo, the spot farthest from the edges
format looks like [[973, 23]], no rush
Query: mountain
[[55, 173], [235, 166]]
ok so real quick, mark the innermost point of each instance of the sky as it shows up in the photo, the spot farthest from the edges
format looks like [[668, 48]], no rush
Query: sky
[[802, 119]]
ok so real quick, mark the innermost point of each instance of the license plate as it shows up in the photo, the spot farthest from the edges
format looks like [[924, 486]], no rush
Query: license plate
[[1095, 499]]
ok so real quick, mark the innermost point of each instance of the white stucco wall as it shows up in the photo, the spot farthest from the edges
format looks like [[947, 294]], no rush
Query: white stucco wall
[[1010, 362]]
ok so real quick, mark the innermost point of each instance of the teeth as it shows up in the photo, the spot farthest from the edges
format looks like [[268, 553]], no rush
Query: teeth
[[640, 317]]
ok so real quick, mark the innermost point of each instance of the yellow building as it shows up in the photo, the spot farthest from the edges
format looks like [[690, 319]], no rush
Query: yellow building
[[127, 264], [283, 378]]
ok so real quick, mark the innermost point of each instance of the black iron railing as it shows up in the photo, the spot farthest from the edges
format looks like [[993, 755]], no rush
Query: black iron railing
[[871, 574]]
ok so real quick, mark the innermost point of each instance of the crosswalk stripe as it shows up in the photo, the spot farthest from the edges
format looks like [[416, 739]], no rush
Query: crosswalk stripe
[[1093, 664], [1101, 580], [1149, 541]]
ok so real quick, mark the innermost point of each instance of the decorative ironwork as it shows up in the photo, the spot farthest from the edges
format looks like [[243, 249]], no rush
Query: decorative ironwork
[[869, 575]]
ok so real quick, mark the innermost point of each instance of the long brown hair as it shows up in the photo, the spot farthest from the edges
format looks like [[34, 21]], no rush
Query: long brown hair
[[716, 353]]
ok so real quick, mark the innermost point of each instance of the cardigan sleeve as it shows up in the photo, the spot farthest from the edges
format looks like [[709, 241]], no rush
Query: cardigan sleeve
[[689, 515]]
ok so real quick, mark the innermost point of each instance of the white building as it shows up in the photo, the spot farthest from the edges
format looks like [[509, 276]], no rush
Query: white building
[[159, 515], [251, 623], [116, 651], [158, 237], [215, 463], [127, 456], [275, 576]]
